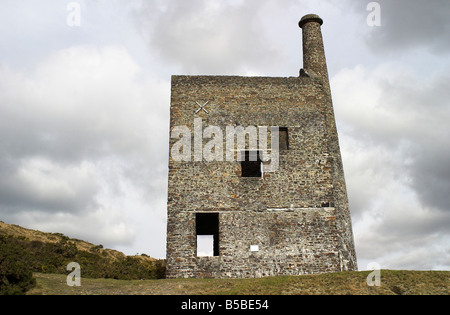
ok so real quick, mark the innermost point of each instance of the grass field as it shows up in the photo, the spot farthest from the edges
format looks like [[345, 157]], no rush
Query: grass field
[[393, 282]]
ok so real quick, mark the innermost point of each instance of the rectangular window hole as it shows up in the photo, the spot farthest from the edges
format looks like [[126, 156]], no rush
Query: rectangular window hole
[[251, 164], [283, 138]]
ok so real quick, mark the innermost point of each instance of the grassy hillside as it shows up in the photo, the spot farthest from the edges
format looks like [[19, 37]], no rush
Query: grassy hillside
[[23, 251], [392, 283], [12, 230], [38, 260]]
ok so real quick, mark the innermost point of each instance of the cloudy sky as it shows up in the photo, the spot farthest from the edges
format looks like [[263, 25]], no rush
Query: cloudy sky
[[84, 111]]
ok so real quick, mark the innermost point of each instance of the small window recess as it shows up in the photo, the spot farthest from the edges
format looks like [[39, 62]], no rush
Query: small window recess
[[283, 136], [251, 164]]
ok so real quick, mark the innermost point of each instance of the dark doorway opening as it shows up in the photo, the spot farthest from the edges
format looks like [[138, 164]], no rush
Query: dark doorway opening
[[207, 224]]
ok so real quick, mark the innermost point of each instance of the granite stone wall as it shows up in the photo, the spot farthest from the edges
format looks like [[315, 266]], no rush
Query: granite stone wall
[[291, 220]]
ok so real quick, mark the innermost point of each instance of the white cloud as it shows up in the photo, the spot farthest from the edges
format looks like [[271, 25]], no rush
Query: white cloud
[[46, 185], [209, 37], [386, 125], [87, 131], [408, 24]]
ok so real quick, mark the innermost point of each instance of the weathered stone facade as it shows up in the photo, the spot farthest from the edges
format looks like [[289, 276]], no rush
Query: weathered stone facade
[[292, 221]]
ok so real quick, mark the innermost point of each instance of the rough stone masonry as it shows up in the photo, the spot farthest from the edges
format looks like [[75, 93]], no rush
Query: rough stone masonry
[[291, 221]]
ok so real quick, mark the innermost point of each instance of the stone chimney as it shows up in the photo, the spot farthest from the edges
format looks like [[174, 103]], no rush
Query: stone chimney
[[314, 62]]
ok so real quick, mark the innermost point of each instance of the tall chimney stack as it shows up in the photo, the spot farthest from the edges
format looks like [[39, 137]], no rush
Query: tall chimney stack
[[313, 51]]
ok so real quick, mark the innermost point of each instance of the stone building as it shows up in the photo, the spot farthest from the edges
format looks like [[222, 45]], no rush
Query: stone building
[[274, 209]]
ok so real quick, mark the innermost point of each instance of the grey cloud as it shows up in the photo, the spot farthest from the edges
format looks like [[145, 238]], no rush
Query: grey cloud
[[408, 24], [83, 138], [48, 188], [408, 116], [394, 136], [427, 129], [208, 37], [398, 237], [430, 172], [81, 103]]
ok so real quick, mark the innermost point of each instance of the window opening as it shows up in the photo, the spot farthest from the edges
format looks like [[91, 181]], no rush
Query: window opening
[[251, 164], [283, 138]]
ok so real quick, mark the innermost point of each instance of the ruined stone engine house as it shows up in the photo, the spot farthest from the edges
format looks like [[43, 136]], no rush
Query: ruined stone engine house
[[290, 220]]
